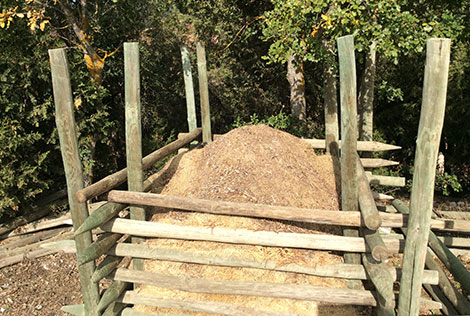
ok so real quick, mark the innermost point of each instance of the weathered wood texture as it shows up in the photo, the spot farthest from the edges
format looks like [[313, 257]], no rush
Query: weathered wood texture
[[378, 249], [27, 248], [32, 238], [116, 309], [367, 206], [345, 271], [112, 293], [42, 224], [98, 248], [331, 103], [422, 192], [349, 191], [243, 236], [120, 176], [436, 294], [317, 216], [361, 145], [65, 122], [383, 280], [366, 94], [300, 292], [204, 93], [386, 180], [377, 163], [110, 263], [188, 88], [131, 297], [451, 262], [450, 292], [135, 174]]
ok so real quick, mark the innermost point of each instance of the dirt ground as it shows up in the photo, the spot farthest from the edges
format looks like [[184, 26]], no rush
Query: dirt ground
[[40, 286]]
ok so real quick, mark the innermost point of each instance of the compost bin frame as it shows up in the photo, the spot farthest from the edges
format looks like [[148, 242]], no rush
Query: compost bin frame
[[365, 246]]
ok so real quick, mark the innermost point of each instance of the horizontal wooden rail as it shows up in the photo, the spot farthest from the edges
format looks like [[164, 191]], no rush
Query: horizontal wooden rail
[[120, 176], [321, 144], [316, 216], [386, 180], [345, 271], [291, 291], [377, 163], [243, 236], [130, 297], [361, 145]]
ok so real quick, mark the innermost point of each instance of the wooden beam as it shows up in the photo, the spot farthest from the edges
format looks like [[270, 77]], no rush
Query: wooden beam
[[110, 263], [381, 196], [377, 163], [115, 309], [349, 190], [386, 180], [204, 93], [436, 294], [98, 248], [451, 262], [188, 88], [120, 176], [243, 236], [367, 206], [135, 174], [422, 192], [331, 103], [383, 282], [345, 271], [361, 145], [130, 297], [299, 292], [32, 238], [65, 122]]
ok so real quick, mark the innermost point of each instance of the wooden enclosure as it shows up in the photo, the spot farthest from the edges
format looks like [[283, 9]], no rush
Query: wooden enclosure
[[366, 249]]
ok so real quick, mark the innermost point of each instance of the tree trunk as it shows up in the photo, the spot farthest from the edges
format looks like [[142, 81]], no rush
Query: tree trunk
[[366, 95], [295, 76]]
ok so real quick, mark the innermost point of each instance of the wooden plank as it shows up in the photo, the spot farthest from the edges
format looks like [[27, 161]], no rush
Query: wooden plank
[[114, 309], [27, 248], [67, 245], [331, 104], [451, 262], [345, 271], [204, 93], [422, 192], [377, 163], [437, 295], [381, 196], [135, 175], [188, 88], [386, 180], [243, 236], [32, 238], [129, 311], [361, 145], [109, 264], [299, 292], [98, 248], [383, 282], [65, 122], [450, 292], [119, 177], [8, 261], [130, 297], [349, 190], [367, 206], [42, 224]]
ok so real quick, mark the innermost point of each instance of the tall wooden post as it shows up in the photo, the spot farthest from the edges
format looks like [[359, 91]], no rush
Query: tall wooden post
[[349, 191], [73, 170], [189, 88], [422, 192], [331, 107], [204, 93], [133, 133]]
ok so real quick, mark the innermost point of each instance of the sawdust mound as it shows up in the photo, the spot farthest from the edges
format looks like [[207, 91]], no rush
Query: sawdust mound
[[254, 164]]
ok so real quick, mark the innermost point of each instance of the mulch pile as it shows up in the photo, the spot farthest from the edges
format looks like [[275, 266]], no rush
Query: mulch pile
[[254, 164]]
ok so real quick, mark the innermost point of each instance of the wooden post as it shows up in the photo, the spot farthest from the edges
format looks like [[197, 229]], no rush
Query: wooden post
[[188, 87], [349, 193], [204, 93], [331, 105], [73, 169], [133, 132], [429, 134]]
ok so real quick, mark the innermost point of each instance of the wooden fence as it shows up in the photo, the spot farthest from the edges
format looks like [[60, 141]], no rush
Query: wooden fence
[[366, 246]]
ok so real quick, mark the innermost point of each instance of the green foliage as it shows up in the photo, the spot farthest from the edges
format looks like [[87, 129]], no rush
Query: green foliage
[[446, 184]]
